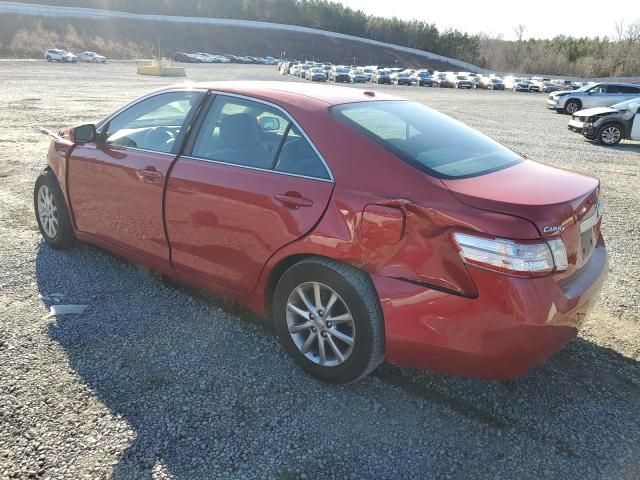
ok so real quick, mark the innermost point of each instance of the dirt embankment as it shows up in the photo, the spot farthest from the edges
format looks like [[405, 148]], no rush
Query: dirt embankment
[[27, 37]]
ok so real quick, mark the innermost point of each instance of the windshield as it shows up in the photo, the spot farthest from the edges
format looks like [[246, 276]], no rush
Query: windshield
[[426, 139], [342, 70], [627, 105]]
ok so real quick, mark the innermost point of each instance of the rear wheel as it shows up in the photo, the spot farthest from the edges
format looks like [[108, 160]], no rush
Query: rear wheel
[[609, 134], [572, 106], [48, 58], [329, 320], [51, 210]]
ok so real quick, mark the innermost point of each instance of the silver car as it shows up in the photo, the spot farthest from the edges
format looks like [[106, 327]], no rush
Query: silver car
[[592, 95]]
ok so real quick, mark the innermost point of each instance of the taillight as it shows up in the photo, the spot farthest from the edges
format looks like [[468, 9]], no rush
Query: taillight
[[526, 259]]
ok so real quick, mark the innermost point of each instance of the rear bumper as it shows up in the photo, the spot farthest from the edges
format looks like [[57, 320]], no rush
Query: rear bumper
[[513, 324]]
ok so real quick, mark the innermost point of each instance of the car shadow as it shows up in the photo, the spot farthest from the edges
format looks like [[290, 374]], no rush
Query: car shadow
[[213, 397], [621, 147]]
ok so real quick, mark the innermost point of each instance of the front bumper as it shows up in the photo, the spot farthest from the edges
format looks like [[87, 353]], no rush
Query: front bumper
[[513, 324], [553, 104], [585, 128]]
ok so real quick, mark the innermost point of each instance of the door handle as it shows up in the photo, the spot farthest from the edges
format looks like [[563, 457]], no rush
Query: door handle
[[149, 174], [293, 200]]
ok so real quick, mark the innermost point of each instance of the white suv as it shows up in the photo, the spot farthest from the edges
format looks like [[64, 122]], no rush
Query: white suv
[[56, 55], [592, 95]]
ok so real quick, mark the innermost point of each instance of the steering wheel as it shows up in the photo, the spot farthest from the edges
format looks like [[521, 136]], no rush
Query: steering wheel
[[159, 139]]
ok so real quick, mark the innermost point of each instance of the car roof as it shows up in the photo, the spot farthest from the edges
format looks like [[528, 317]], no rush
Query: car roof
[[617, 84], [292, 92]]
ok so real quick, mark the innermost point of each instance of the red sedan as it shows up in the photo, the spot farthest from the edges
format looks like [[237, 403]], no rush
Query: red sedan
[[367, 227]]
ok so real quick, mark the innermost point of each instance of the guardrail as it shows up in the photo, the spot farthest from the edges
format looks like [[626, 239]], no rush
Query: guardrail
[[91, 13]]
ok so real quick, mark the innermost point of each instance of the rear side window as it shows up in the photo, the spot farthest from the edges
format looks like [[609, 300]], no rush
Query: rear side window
[[629, 89], [253, 134], [428, 140]]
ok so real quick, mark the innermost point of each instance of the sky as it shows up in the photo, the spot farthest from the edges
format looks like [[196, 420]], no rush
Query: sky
[[543, 19]]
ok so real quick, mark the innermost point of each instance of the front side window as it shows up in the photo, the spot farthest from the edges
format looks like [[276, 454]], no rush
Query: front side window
[[152, 124], [426, 139], [599, 89], [253, 134]]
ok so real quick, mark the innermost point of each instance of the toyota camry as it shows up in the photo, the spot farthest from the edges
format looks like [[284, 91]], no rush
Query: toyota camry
[[367, 227]]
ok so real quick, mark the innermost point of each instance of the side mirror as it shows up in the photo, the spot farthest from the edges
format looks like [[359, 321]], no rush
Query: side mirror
[[84, 133], [269, 124]]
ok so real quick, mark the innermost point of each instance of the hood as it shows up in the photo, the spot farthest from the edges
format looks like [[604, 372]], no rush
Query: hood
[[558, 93], [591, 112], [546, 196]]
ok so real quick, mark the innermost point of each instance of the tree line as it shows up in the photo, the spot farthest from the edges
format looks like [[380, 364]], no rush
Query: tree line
[[563, 55]]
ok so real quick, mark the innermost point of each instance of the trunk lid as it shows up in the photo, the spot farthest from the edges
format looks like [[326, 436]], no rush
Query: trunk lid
[[556, 201]]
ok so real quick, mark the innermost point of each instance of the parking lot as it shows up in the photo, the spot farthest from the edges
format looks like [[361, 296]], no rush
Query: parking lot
[[156, 380]]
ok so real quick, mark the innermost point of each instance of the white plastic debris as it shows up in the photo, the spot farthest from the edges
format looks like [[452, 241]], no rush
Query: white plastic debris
[[57, 310]]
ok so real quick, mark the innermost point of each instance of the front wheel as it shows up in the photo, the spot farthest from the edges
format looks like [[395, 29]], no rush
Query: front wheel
[[51, 210], [609, 134], [329, 320], [572, 106]]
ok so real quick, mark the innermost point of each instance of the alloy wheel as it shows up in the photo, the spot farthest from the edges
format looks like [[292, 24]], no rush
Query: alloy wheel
[[47, 211], [610, 135], [571, 107], [320, 324]]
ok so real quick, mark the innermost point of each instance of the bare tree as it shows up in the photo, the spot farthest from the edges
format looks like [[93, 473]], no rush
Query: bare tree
[[628, 36], [519, 31]]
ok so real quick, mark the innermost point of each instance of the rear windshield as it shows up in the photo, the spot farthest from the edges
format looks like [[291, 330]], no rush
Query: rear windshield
[[428, 140]]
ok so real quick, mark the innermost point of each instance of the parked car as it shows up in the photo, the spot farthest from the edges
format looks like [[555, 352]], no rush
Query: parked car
[[592, 95], [369, 71], [57, 55], [316, 74], [304, 68], [381, 76], [609, 125], [549, 87], [422, 78], [401, 78], [185, 58], [91, 57], [461, 81], [487, 83], [339, 74], [536, 86], [454, 253], [441, 80], [521, 85], [510, 82], [357, 76]]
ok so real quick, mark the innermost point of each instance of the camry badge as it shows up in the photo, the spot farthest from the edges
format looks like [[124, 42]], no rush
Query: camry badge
[[553, 229]]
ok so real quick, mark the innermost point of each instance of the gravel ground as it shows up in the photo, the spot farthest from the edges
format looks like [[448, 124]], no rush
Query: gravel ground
[[155, 380]]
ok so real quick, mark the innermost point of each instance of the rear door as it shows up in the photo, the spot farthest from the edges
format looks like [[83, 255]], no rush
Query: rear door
[[251, 183], [116, 184]]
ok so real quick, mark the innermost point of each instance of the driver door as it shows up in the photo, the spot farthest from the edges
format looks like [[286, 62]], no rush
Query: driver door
[[116, 184]]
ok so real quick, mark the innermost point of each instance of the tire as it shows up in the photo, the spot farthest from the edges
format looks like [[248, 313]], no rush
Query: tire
[[609, 134], [52, 214], [572, 106], [49, 58], [357, 306]]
